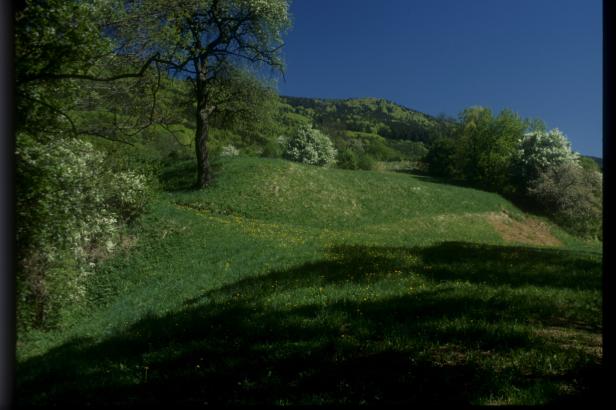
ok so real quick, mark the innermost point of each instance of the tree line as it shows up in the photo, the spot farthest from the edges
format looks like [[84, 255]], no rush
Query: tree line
[[525, 162]]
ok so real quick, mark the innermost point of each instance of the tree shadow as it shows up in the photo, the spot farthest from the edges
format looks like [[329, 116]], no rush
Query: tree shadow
[[427, 177], [230, 346], [520, 200], [512, 265], [181, 175]]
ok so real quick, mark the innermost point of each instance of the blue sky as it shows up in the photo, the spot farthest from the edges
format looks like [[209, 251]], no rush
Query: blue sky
[[541, 58]]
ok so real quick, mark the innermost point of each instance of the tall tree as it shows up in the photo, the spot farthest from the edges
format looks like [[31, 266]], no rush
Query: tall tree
[[486, 147], [202, 40]]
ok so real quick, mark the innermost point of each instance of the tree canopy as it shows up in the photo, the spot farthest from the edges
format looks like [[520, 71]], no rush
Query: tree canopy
[[203, 41]]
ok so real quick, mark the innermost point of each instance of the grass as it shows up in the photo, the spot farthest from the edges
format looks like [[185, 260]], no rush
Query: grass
[[290, 284]]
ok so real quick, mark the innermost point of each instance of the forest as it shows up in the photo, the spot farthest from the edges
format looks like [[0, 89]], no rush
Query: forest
[[187, 235]]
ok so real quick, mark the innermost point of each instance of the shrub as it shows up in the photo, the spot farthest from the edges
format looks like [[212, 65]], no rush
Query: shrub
[[69, 210], [572, 196], [127, 195], [310, 146], [272, 149], [440, 157], [540, 151], [229, 151], [347, 159], [366, 162]]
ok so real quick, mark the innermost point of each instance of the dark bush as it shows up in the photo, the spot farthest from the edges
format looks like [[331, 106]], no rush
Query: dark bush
[[348, 159], [573, 197]]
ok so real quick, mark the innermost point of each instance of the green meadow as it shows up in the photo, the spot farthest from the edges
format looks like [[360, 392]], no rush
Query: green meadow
[[285, 283]]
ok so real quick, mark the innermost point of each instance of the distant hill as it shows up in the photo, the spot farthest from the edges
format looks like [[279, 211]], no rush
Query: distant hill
[[365, 115], [402, 130]]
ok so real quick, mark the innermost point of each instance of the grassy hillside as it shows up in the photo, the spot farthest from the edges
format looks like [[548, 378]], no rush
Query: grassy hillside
[[384, 130], [290, 284], [371, 115]]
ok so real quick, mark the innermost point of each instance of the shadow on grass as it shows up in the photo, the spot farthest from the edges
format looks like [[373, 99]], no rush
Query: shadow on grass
[[232, 346], [427, 177], [512, 265], [523, 202], [181, 175]]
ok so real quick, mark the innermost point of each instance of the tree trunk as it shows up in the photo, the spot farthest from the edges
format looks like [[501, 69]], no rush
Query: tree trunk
[[204, 174]]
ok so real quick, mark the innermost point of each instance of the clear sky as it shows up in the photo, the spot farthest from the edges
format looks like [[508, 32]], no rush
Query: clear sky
[[541, 58]]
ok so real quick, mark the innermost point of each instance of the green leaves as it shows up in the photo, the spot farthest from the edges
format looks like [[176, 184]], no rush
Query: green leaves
[[70, 207], [58, 37]]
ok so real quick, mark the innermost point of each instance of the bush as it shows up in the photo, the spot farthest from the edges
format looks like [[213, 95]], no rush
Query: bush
[[440, 157], [310, 146], [572, 196], [69, 211], [366, 162], [347, 159], [272, 149], [127, 195], [229, 151], [540, 151]]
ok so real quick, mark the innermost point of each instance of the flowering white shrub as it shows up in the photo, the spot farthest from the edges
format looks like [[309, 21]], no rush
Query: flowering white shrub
[[128, 194], [69, 207], [229, 151], [310, 146], [539, 151]]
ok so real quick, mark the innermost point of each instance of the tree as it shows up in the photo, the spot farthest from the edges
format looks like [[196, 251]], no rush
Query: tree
[[246, 107], [440, 157], [507, 129], [474, 141], [202, 40], [62, 56], [487, 146]]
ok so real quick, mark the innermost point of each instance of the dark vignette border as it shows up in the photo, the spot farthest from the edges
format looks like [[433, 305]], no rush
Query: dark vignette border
[[608, 200], [7, 282], [7, 303]]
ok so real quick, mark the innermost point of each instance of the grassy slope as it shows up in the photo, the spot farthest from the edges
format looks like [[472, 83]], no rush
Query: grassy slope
[[286, 283]]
